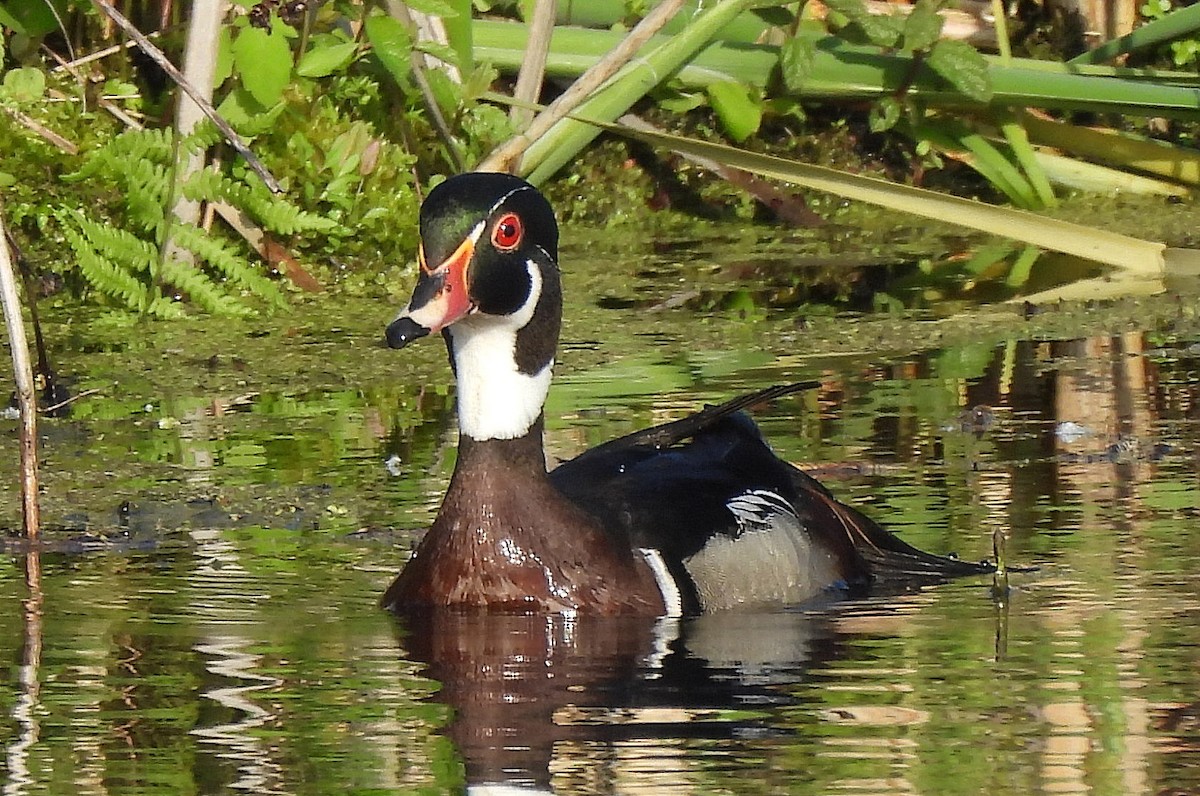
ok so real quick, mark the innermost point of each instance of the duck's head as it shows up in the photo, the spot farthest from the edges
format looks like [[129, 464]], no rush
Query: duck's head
[[489, 282]]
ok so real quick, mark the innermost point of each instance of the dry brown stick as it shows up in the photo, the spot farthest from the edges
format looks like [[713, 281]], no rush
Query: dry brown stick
[[50, 410], [533, 69], [507, 155], [42, 130], [156, 55], [96, 56], [69, 66], [785, 206], [403, 14], [23, 375]]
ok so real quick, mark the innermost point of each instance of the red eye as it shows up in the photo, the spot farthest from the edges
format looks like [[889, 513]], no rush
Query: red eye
[[506, 235]]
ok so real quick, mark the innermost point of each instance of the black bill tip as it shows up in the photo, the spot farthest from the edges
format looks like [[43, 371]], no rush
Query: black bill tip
[[403, 331]]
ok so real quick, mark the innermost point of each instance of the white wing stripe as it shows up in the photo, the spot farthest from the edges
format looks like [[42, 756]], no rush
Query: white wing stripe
[[672, 598]]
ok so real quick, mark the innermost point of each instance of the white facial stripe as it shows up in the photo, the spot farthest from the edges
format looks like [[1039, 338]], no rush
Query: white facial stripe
[[495, 400], [477, 231], [504, 198]]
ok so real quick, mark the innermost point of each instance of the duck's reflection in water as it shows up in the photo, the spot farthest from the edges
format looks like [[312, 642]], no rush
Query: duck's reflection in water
[[605, 704]]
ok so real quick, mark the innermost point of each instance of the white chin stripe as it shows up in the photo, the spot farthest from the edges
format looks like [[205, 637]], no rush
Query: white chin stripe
[[496, 400]]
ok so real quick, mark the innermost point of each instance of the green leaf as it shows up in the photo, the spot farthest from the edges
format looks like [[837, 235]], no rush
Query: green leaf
[[739, 113], [392, 45], [264, 63], [963, 67], [32, 18], [325, 60], [247, 114], [796, 61], [224, 67], [435, 8], [922, 27], [884, 114], [878, 29], [442, 52], [25, 84], [680, 101]]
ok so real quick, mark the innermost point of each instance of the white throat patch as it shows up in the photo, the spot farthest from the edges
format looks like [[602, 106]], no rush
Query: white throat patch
[[495, 400]]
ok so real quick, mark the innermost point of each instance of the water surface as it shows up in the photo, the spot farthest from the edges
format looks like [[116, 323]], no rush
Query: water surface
[[205, 614]]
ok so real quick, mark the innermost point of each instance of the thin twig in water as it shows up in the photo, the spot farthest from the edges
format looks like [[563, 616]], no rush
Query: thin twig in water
[[23, 375], [156, 55], [52, 409]]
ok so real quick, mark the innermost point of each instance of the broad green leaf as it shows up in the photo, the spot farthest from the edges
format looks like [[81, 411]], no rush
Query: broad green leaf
[[435, 8], [922, 27], [442, 52], [460, 35], [224, 66], [963, 67], [796, 61], [32, 18], [264, 63], [325, 59], [25, 84], [739, 113], [680, 101], [247, 115], [392, 45], [878, 29]]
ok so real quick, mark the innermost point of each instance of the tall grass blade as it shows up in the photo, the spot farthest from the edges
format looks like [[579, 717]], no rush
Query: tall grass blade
[[1177, 24], [1013, 130], [567, 138], [1160, 158], [1131, 255]]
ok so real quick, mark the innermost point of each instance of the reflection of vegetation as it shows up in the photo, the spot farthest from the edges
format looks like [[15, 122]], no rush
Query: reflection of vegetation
[[355, 112], [903, 689]]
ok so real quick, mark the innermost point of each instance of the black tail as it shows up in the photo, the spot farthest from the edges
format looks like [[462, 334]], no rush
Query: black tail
[[887, 557]]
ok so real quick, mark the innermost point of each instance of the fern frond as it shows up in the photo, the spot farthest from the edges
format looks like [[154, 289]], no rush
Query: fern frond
[[203, 136], [126, 266], [235, 268], [201, 290], [114, 157], [99, 269], [285, 218], [117, 245], [165, 307]]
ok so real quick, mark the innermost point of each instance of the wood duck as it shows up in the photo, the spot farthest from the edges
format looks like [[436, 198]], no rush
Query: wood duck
[[692, 516]]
